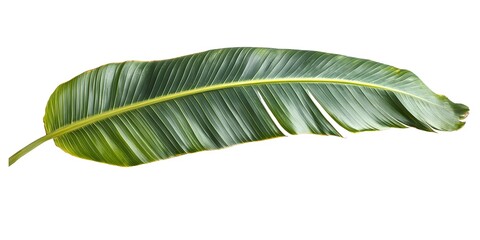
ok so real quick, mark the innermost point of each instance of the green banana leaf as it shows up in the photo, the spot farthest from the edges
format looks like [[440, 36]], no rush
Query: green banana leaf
[[136, 112]]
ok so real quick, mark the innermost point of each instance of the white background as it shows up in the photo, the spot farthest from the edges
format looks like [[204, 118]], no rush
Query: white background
[[394, 184]]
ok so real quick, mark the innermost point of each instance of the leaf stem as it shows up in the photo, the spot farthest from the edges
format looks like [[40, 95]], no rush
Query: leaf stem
[[27, 149]]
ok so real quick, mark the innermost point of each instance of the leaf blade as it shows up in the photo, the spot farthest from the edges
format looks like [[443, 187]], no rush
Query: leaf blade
[[353, 91]]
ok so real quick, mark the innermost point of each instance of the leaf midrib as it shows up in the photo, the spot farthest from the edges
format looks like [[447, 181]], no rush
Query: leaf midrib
[[107, 114]]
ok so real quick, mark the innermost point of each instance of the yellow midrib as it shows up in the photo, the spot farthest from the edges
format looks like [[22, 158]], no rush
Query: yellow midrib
[[87, 121]]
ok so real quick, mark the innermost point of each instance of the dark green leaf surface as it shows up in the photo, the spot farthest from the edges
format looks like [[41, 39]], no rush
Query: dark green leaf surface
[[136, 112]]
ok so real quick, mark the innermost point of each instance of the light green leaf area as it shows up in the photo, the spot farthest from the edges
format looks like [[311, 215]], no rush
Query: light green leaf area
[[135, 112]]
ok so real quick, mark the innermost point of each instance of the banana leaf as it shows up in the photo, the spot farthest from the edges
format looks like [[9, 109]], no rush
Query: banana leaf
[[137, 112]]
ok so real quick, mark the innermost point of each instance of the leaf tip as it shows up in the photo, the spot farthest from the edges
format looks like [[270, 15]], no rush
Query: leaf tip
[[461, 111]]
